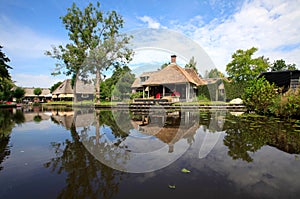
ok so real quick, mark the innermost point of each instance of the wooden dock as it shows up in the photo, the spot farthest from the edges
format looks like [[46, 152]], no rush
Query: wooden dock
[[145, 106]]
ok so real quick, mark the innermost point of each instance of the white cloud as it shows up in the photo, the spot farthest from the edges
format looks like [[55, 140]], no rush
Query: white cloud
[[43, 81], [271, 26], [21, 41], [151, 22]]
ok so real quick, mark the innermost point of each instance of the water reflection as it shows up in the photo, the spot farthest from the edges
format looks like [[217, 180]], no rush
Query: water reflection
[[247, 134], [86, 177], [104, 143]]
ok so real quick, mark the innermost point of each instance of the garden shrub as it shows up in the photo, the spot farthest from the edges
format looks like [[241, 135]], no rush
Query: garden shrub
[[260, 96]]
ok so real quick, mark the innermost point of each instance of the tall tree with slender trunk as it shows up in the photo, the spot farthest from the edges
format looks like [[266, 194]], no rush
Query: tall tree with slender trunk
[[90, 30]]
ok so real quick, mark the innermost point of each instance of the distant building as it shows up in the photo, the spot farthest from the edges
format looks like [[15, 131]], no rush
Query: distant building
[[30, 96], [84, 91]]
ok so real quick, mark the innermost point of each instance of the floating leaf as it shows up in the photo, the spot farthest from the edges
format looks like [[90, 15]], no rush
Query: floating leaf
[[172, 186], [184, 170]]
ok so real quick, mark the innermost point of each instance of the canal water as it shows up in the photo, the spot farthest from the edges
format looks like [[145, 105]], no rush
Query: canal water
[[155, 153]]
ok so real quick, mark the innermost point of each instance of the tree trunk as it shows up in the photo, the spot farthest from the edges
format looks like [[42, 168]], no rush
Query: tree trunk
[[74, 90], [98, 80]]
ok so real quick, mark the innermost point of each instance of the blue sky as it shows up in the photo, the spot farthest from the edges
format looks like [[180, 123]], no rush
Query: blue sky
[[29, 27]]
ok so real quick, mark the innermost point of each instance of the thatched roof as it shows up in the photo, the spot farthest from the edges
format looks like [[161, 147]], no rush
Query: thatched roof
[[172, 74], [29, 92], [64, 88], [81, 87], [195, 76], [137, 82]]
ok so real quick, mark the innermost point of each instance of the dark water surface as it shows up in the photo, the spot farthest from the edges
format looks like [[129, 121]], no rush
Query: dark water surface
[[87, 153]]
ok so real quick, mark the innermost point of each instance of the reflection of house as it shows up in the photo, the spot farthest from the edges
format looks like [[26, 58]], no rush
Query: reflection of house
[[169, 128], [84, 91], [30, 96], [66, 118], [30, 116], [286, 79], [170, 81]]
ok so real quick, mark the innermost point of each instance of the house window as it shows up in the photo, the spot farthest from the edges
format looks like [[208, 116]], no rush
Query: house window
[[144, 78]]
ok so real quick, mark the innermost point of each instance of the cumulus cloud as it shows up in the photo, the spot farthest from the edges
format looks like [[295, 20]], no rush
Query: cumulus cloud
[[271, 26], [152, 23]]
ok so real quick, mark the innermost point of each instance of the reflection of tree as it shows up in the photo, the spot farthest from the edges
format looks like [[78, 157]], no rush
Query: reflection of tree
[[7, 122], [37, 118], [19, 117], [86, 176], [249, 134]]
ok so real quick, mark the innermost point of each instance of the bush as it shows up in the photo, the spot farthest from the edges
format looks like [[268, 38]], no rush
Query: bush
[[287, 105], [234, 90], [260, 96], [202, 97], [136, 95]]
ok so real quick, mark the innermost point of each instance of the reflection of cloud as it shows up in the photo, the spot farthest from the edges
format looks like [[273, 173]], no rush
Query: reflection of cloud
[[271, 172], [32, 126]]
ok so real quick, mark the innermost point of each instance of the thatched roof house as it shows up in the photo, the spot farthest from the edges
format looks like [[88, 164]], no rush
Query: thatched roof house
[[171, 79], [29, 92], [30, 96], [84, 91]]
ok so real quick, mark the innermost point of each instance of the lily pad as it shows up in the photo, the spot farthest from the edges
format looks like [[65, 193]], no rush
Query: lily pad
[[184, 170], [172, 186]]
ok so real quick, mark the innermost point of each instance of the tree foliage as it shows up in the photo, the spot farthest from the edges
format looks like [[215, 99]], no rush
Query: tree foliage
[[280, 65], [6, 83], [164, 65], [214, 73], [244, 68], [55, 86], [4, 74], [94, 34], [5, 89], [192, 64], [118, 85], [259, 96], [19, 93], [37, 91]]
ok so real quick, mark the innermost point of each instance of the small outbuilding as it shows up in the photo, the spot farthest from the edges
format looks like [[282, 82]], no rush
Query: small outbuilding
[[284, 79]]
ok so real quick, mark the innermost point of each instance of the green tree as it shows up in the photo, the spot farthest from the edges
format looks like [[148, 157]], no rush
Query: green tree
[[214, 73], [6, 83], [192, 64], [6, 86], [119, 83], [93, 34], [244, 68], [55, 86], [19, 93], [37, 91], [4, 74], [280, 65], [164, 65], [259, 96]]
